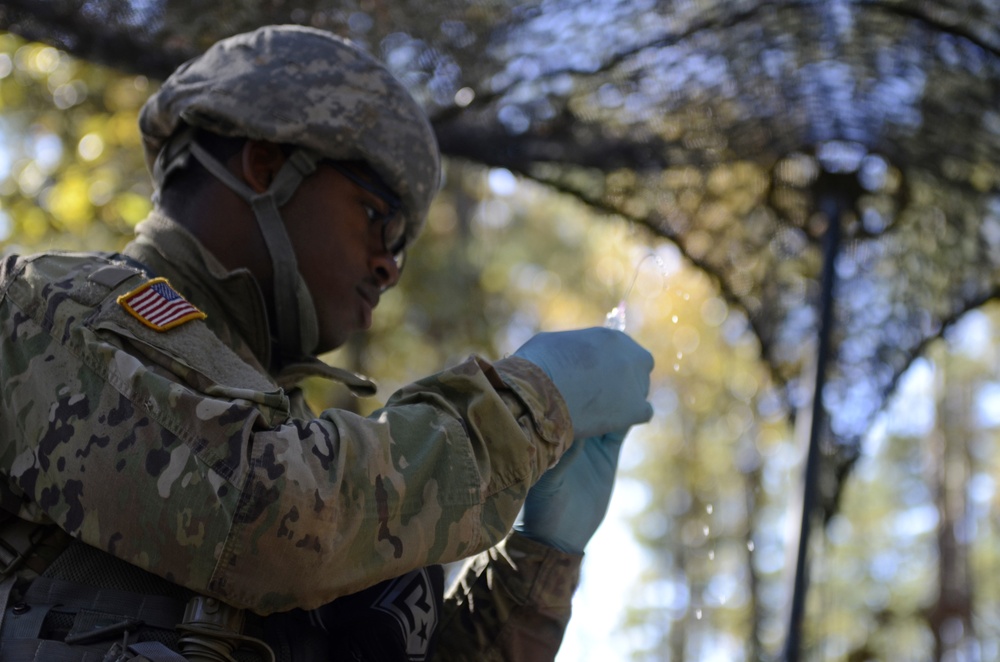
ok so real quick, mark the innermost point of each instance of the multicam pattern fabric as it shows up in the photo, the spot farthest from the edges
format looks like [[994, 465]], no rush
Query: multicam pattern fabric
[[509, 603], [171, 452]]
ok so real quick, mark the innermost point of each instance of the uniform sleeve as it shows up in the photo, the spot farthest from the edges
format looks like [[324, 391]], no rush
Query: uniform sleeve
[[511, 602], [167, 451]]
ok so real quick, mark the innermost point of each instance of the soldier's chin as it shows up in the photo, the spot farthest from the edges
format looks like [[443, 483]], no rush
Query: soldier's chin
[[333, 339]]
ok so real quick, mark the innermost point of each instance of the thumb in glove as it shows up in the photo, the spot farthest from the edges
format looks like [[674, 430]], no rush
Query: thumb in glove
[[568, 503]]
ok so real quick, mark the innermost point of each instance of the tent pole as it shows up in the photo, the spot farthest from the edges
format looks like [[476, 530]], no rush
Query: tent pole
[[832, 207]]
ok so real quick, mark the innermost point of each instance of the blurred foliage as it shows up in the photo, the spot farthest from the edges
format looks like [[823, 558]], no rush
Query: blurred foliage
[[909, 566], [71, 163]]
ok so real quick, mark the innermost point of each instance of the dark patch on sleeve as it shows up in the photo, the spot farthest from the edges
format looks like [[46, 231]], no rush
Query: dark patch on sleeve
[[318, 504], [49, 498], [291, 516], [67, 329], [72, 491], [122, 412], [113, 543], [382, 504], [325, 459], [270, 464], [255, 502], [156, 461], [100, 442], [18, 318], [309, 542], [129, 439], [303, 428], [167, 438], [235, 445], [60, 430], [27, 480], [235, 414], [53, 304], [120, 465]]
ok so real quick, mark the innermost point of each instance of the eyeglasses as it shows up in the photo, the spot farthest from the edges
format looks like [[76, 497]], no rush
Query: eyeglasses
[[392, 221]]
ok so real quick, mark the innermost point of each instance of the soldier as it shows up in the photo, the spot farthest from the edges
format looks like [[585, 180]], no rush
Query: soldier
[[165, 489]]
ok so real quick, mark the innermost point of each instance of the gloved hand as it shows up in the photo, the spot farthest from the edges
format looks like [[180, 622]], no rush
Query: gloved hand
[[602, 374], [568, 503]]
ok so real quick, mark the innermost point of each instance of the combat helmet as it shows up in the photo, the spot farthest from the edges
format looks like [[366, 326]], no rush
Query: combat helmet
[[304, 87]]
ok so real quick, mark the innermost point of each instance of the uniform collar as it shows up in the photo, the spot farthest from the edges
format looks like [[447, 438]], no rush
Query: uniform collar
[[232, 299]]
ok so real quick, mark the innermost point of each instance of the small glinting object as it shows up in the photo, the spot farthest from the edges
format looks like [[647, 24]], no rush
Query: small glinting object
[[158, 305]]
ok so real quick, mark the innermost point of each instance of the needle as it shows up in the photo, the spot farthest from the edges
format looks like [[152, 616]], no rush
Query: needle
[[616, 318]]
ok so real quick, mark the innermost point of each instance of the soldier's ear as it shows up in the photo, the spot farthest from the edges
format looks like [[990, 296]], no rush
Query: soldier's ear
[[260, 162]]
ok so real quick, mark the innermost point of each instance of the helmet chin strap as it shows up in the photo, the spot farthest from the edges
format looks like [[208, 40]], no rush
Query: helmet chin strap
[[297, 167]]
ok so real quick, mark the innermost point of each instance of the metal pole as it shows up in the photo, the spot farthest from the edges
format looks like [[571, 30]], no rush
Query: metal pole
[[832, 206]]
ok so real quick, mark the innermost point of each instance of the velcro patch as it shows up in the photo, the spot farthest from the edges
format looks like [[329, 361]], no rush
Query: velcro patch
[[157, 305]]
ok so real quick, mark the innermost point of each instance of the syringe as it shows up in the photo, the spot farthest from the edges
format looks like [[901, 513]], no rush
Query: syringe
[[616, 318]]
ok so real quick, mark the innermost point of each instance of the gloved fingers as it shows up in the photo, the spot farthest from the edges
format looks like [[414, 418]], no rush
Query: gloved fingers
[[587, 460], [640, 356], [618, 397], [634, 408], [602, 374], [596, 349], [642, 370], [597, 421], [612, 442]]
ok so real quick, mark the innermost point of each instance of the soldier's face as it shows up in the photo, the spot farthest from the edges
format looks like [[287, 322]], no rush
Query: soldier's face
[[336, 228]]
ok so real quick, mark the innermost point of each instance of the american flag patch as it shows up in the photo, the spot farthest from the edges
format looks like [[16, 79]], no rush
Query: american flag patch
[[159, 306]]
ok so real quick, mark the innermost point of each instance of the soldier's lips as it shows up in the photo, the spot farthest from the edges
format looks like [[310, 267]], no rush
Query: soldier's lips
[[369, 301]]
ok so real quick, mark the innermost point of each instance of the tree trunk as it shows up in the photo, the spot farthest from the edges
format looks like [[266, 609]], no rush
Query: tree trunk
[[951, 618]]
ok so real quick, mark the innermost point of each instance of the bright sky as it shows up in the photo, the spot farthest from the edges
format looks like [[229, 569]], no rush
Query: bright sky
[[610, 573], [610, 569]]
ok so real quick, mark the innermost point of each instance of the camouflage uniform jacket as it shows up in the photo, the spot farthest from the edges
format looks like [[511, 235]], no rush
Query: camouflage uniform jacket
[[177, 452]]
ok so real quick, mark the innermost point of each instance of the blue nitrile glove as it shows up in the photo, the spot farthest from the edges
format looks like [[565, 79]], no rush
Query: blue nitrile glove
[[602, 374], [568, 503]]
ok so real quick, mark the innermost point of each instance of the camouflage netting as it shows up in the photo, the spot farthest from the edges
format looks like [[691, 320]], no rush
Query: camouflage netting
[[735, 128]]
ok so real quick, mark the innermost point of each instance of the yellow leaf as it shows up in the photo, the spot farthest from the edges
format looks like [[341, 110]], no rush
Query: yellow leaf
[[132, 207], [33, 224], [69, 203]]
